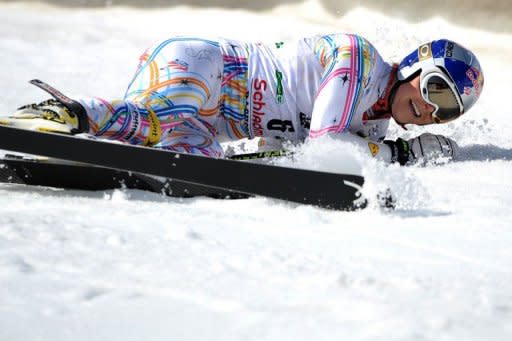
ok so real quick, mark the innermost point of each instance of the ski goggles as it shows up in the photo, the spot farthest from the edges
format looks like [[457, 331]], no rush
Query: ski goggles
[[440, 92]]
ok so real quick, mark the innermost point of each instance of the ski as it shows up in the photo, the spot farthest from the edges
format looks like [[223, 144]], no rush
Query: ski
[[329, 190], [37, 171], [42, 171]]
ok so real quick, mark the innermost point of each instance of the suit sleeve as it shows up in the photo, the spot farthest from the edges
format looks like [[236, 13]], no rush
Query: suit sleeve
[[346, 64]]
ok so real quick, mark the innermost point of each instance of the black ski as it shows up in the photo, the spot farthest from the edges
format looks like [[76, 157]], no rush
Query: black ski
[[337, 191], [61, 174]]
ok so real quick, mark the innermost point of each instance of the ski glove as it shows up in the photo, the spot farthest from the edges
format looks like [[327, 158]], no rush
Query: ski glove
[[425, 147]]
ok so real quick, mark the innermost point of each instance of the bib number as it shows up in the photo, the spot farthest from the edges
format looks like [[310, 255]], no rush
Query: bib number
[[280, 125]]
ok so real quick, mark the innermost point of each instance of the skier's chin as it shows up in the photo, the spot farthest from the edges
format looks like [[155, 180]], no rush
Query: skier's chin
[[396, 117], [399, 121]]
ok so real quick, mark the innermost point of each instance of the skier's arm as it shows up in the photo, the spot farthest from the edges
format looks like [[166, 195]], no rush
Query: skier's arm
[[343, 58], [424, 148]]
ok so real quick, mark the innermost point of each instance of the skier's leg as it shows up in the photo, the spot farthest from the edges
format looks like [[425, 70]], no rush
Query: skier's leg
[[192, 136], [179, 78], [175, 94], [178, 82], [118, 119]]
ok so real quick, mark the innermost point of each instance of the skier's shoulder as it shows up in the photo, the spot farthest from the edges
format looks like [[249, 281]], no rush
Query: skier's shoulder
[[353, 49], [334, 43]]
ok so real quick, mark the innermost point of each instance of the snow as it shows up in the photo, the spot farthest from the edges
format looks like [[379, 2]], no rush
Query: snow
[[129, 265]]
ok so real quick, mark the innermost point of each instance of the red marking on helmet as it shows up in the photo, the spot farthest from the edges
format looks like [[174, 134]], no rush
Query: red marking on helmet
[[471, 75]]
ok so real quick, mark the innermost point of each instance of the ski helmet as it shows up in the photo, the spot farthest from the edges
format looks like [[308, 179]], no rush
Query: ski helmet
[[451, 78]]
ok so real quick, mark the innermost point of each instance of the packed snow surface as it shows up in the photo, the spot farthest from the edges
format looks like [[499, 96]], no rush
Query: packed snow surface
[[129, 265]]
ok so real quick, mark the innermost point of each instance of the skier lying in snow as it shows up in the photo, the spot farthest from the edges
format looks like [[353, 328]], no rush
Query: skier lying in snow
[[189, 94]]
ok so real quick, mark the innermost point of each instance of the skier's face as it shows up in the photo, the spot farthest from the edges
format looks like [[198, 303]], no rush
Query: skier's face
[[409, 107]]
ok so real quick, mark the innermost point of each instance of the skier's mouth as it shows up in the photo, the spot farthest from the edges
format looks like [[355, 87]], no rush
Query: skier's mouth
[[414, 109]]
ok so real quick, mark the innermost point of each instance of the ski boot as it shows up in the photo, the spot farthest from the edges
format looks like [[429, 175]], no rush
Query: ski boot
[[47, 116], [58, 115]]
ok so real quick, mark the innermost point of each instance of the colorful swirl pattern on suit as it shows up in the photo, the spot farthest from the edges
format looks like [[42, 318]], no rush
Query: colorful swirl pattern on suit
[[347, 66], [171, 94], [233, 105]]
